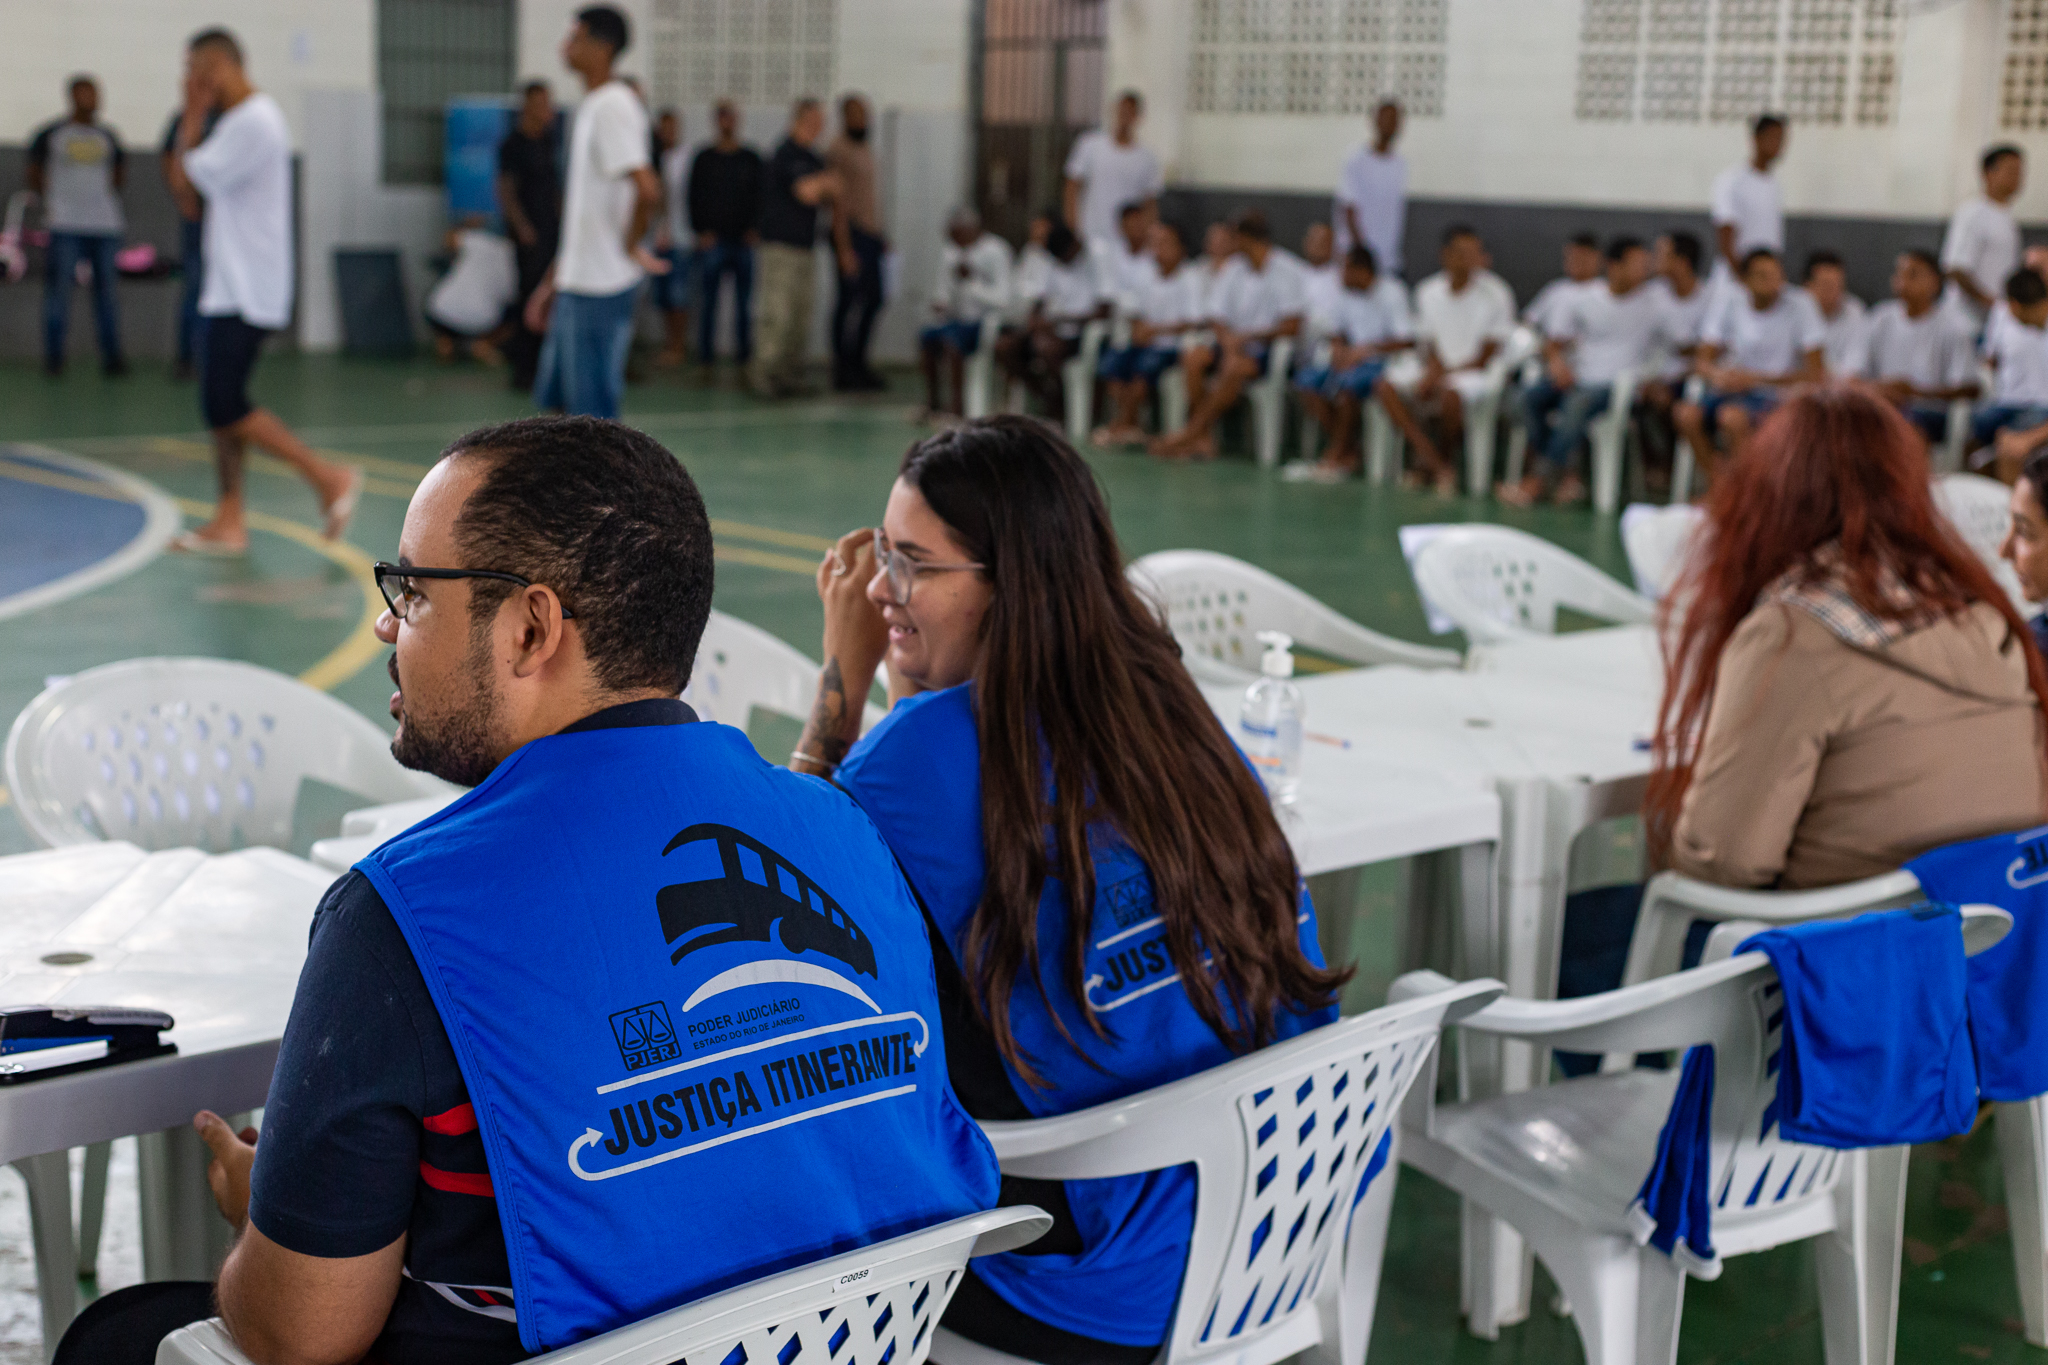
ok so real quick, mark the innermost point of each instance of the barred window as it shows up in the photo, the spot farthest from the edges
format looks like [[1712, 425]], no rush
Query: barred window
[[1318, 56], [428, 52], [1726, 61], [2023, 98]]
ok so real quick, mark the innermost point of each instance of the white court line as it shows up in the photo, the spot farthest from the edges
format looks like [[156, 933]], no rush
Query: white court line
[[160, 521]]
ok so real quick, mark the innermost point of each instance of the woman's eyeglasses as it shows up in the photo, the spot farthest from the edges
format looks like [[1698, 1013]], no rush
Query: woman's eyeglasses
[[395, 581], [902, 571]]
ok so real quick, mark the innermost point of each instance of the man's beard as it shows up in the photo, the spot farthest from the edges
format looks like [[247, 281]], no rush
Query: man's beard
[[459, 746]]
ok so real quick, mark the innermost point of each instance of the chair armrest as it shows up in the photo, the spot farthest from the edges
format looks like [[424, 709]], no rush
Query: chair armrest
[[1655, 1016], [1708, 901], [202, 1343]]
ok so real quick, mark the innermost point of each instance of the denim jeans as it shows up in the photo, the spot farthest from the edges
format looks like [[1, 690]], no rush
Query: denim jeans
[[192, 260], [583, 359], [722, 259], [1558, 419], [60, 273], [853, 314]]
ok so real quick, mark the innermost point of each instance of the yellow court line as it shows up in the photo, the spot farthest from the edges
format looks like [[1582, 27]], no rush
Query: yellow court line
[[70, 483], [796, 540], [762, 559], [5, 796], [347, 659]]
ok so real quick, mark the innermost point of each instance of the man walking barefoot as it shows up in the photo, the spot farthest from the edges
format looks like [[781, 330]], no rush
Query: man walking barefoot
[[243, 168]]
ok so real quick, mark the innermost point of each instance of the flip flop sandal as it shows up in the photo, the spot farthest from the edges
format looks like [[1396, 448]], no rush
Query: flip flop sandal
[[192, 543], [342, 510]]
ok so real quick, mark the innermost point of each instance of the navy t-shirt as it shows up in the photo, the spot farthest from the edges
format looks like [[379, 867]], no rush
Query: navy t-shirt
[[368, 1133]]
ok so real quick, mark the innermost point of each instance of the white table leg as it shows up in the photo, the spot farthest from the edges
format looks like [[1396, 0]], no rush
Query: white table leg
[[49, 1214], [92, 1207], [183, 1235]]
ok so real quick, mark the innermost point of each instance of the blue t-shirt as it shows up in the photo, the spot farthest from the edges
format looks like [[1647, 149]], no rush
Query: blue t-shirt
[[918, 776]]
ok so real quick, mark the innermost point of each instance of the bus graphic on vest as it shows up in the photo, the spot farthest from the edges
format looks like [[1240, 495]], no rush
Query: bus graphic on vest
[[736, 908]]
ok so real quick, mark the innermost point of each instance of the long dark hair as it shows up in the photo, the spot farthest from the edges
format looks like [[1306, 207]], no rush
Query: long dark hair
[[1080, 682], [1836, 463]]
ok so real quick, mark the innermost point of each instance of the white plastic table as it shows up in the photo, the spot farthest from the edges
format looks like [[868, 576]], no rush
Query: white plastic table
[[1614, 658], [216, 942]]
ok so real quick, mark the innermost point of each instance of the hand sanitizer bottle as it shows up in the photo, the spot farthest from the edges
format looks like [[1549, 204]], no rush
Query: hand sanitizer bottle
[[1270, 726]]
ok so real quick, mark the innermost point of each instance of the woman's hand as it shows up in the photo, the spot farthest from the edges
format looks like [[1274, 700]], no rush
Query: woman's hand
[[856, 638]]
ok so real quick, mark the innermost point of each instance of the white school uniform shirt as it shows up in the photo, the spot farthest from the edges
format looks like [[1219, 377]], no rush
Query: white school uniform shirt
[[1774, 341], [607, 142], [1847, 331], [244, 170], [1684, 319], [1259, 300], [1111, 177], [1752, 201], [675, 190], [1366, 317], [1072, 289], [1610, 332], [1983, 241], [1933, 351], [1546, 311], [1457, 323], [1375, 188], [1212, 282], [2019, 357], [987, 286], [1027, 282], [1124, 271], [481, 284], [1171, 301], [1321, 287]]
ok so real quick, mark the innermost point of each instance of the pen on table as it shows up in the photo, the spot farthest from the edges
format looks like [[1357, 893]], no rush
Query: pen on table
[[1335, 740]]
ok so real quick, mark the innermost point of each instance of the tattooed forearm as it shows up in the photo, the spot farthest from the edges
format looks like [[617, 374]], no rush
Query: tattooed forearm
[[826, 735]]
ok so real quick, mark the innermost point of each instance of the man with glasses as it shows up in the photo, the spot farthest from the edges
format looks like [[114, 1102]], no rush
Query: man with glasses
[[636, 984]]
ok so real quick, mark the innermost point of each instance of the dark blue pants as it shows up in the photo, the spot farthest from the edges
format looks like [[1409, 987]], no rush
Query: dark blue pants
[[192, 259], [725, 258], [1554, 442], [853, 315], [67, 249]]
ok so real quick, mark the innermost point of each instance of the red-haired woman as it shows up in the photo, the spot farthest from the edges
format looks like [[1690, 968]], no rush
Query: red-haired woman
[[1847, 686]]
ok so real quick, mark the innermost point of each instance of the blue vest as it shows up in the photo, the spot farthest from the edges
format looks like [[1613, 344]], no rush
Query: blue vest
[[2008, 982], [918, 776], [694, 1006]]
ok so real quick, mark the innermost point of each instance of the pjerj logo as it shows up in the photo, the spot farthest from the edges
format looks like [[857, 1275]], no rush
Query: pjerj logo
[[645, 1036], [735, 908]]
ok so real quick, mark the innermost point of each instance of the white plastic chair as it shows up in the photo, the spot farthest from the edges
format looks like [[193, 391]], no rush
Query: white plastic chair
[[1948, 456], [1216, 606], [1563, 1163], [1497, 583], [739, 667], [1607, 442], [1268, 398], [1384, 442], [204, 753], [1657, 540], [1280, 1141], [979, 378], [1670, 905], [1981, 510], [1077, 381], [875, 1305]]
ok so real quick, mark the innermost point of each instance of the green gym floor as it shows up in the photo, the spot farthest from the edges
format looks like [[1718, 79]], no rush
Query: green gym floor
[[780, 482]]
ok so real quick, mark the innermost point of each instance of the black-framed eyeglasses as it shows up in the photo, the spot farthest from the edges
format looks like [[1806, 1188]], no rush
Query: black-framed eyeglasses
[[393, 580]]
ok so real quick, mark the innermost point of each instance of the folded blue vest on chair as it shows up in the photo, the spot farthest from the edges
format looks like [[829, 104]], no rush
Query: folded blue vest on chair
[[1673, 1211], [1875, 1047], [2008, 984]]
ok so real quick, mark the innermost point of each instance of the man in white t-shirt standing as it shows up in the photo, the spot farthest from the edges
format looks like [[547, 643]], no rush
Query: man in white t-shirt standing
[[1372, 194], [585, 305], [1982, 247], [243, 169], [1107, 171], [1748, 206]]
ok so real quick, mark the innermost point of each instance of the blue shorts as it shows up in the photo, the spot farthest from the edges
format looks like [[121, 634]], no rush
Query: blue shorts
[[676, 290], [1930, 418], [1259, 352], [1137, 362], [964, 337], [1356, 381], [1985, 426], [1755, 402]]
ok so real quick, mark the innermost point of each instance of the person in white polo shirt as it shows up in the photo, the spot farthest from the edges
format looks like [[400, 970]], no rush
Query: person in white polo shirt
[[1463, 316], [1106, 170], [243, 169], [2015, 423], [1603, 331], [1260, 298], [1760, 338], [1982, 246], [1372, 194], [1582, 265], [1747, 204], [1370, 326], [584, 307], [1168, 302], [973, 282], [1920, 354], [1841, 312]]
